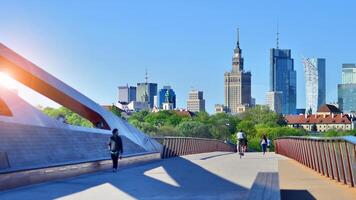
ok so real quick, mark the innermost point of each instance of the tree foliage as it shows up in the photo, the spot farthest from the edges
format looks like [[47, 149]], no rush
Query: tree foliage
[[255, 123], [71, 117]]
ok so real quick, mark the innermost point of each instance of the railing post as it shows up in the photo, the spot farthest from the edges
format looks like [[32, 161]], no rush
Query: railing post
[[185, 146], [306, 153], [342, 163], [351, 176], [325, 159], [337, 171], [190, 146], [180, 147], [164, 149], [320, 158], [330, 160], [312, 152]]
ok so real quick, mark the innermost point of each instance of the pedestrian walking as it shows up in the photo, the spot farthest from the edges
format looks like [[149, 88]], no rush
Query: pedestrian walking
[[116, 149], [268, 145], [264, 143]]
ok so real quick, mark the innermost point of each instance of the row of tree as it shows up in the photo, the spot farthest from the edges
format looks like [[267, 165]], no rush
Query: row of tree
[[255, 122]]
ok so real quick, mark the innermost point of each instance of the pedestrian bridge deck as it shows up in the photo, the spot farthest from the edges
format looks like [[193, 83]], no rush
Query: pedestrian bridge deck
[[217, 175]]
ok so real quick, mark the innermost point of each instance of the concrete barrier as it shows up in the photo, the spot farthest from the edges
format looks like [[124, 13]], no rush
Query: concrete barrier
[[27, 177]]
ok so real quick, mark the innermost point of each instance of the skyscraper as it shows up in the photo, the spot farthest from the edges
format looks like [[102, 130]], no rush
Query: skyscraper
[[127, 94], [237, 82], [145, 92], [167, 104], [347, 89], [348, 73], [274, 101], [314, 73], [283, 77], [162, 96], [196, 102]]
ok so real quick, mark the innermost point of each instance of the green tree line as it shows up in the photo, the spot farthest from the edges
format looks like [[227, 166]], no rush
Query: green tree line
[[255, 122]]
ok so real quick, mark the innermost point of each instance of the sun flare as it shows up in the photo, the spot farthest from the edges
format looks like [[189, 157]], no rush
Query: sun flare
[[7, 81]]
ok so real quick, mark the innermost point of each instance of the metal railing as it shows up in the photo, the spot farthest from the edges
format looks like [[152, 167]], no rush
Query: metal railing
[[179, 146], [332, 157]]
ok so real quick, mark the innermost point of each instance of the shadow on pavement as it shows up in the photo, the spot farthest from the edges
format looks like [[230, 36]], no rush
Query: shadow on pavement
[[182, 179], [214, 156], [296, 195]]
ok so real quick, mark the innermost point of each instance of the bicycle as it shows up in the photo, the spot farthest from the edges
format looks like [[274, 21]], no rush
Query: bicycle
[[241, 148]]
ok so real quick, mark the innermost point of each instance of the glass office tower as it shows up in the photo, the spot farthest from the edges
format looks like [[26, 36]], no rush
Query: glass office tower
[[145, 92], [283, 78], [314, 73], [162, 96], [347, 90]]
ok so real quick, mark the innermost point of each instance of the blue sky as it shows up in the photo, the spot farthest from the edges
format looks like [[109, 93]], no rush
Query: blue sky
[[100, 45]]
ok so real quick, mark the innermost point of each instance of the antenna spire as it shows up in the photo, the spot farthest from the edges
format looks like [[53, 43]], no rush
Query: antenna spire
[[277, 37], [238, 37], [146, 76]]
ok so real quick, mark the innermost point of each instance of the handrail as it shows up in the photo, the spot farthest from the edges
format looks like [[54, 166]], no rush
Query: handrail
[[161, 137], [334, 157], [349, 138], [178, 146]]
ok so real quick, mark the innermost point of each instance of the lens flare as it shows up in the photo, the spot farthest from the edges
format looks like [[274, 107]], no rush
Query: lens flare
[[7, 81]]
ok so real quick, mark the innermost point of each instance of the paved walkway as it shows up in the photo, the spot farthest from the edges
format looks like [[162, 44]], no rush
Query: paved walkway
[[299, 182], [218, 175]]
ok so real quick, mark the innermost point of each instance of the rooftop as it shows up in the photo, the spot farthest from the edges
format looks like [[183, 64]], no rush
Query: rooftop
[[318, 119], [329, 108]]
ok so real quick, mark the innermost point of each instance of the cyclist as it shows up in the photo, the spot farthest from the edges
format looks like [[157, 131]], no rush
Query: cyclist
[[242, 142]]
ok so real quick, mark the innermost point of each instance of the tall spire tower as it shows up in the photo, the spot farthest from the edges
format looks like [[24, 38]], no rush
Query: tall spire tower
[[237, 60], [237, 83]]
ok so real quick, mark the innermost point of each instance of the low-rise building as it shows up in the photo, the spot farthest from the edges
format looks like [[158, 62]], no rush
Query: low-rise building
[[328, 117], [133, 106], [220, 108], [320, 122]]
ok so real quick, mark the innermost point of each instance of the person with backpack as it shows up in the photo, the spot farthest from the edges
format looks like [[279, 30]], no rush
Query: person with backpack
[[116, 149], [268, 145], [264, 142]]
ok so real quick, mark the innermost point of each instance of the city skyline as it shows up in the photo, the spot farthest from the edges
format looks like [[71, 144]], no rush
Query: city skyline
[[128, 41]]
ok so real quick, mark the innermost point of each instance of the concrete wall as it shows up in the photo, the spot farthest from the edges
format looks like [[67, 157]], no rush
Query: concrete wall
[[28, 147]]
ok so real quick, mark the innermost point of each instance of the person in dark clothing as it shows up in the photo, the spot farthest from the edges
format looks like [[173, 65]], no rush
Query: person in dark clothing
[[264, 142], [116, 149]]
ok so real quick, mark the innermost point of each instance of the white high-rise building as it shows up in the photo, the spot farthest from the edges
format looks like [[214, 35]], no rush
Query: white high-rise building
[[314, 74], [274, 101], [196, 102]]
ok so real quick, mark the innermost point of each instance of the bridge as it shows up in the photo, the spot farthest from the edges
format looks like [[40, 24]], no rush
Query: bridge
[[43, 158], [186, 172]]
